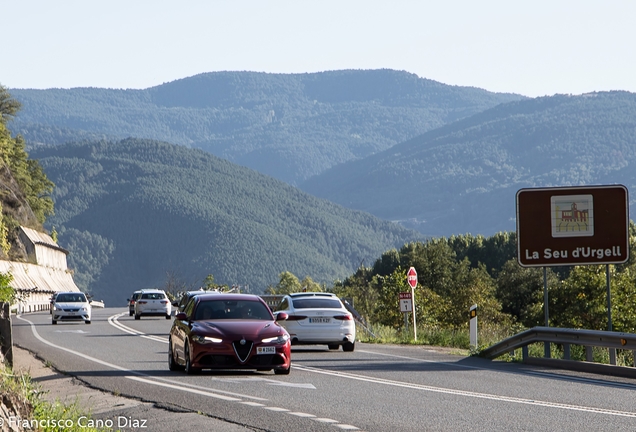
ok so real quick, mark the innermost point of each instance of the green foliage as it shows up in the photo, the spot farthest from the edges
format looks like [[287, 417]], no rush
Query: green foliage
[[132, 210], [452, 277], [5, 246], [28, 173], [8, 105], [90, 254], [7, 293], [289, 283], [20, 387]]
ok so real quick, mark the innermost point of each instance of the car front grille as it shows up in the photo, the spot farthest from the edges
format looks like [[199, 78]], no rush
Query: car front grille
[[242, 350]]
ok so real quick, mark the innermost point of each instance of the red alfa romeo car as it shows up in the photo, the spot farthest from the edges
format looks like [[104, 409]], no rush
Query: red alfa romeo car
[[228, 331]]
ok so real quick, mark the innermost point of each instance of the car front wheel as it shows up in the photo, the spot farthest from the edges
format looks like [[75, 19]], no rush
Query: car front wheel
[[188, 366], [172, 363]]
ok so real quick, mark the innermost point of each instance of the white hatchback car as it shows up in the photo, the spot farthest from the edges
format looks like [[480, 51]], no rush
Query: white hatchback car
[[153, 302], [71, 306], [316, 318]]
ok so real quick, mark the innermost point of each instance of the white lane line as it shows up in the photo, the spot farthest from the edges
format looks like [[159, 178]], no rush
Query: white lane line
[[254, 404], [112, 320], [140, 377], [137, 376], [302, 414], [466, 393], [115, 323], [544, 374], [420, 360], [325, 420]]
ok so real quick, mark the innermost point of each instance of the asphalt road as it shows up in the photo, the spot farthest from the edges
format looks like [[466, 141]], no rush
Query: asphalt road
[[374, 388]]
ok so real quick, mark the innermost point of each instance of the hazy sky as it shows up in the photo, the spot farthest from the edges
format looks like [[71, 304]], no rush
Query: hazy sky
[[534, 48]]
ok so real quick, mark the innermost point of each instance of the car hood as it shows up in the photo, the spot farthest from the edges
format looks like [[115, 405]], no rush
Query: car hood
[[249, 329]]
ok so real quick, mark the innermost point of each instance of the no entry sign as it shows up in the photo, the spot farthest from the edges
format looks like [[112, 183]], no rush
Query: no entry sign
[[411, 276]]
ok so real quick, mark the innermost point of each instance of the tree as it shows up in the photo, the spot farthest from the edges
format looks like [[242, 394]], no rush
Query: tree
[[8, 106], [520, 291], [287, 283], [28, 173]]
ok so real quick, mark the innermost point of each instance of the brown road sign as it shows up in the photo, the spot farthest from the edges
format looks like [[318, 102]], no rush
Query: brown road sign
[[572, 226]]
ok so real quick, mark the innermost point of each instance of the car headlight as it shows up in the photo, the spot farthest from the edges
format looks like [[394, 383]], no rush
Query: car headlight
[[277, 339], [205, 339]]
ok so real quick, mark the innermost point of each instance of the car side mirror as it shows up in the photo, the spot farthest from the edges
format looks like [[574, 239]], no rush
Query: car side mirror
[[181, 316], [127, 300], [281, 316]]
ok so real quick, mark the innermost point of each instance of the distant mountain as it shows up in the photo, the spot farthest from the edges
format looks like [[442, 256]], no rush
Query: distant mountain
[[289, 126], [463, 177], [133, 212]]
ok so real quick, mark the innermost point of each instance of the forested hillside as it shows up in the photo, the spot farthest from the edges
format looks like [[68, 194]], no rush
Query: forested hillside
[[463, 177], [24, 188], [289, 126], [134, 212]]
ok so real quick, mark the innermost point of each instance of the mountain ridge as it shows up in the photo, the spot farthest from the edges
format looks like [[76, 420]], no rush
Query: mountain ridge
[[288, 126], [462, 167]]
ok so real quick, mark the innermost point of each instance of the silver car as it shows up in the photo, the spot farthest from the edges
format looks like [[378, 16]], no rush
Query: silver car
[[71, 306]]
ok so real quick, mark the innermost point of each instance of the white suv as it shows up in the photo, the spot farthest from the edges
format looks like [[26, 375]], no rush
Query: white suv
[[71, 306], [153, 302]]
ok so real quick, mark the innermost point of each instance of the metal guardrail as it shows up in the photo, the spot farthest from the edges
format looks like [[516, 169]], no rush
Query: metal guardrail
[[565, 337]]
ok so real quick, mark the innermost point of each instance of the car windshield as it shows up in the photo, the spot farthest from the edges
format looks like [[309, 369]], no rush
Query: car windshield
[[316, 303], [70, 298], [232, 309], [152, 296]]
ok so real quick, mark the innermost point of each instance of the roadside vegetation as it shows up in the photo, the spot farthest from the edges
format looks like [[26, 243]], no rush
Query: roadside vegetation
[[24, 400], [457, 272], [29, 410]]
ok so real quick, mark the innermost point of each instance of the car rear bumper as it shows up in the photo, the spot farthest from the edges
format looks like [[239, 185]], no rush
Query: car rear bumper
[[303, 335]]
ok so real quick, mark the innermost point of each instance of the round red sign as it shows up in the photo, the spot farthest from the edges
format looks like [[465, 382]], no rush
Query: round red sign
[[412, 277]]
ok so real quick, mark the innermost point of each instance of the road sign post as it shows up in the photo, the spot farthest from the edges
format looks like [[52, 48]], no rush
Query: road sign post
[[406, 306], [473, 327], [411, 276], [579, 225]]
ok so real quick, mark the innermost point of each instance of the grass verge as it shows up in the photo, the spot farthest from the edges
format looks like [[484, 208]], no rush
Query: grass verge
[[29, 410]]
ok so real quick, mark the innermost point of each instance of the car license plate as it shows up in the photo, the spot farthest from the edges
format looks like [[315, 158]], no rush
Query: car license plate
[[319, 320], [266, 350]]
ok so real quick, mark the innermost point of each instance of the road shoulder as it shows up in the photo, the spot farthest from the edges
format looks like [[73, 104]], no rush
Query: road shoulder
[[125, 413]]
